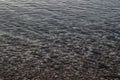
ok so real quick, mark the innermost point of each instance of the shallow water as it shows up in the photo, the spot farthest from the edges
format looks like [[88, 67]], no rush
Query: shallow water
[[33, 30]]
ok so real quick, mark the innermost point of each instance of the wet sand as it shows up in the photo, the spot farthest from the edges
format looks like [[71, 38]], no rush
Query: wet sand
[[59, 39]]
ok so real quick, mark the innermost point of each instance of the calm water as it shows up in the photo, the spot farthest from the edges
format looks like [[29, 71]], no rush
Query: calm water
[[58, 24], [60, 13], [33, 30]]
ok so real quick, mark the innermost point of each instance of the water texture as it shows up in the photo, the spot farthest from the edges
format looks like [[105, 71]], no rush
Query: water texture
[[59, 39]]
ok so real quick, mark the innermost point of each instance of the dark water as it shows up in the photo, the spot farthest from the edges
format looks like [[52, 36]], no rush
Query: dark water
[[88, 29]]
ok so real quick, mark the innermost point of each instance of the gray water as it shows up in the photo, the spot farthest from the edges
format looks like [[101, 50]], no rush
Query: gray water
[[31, 31], [91, 15]]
